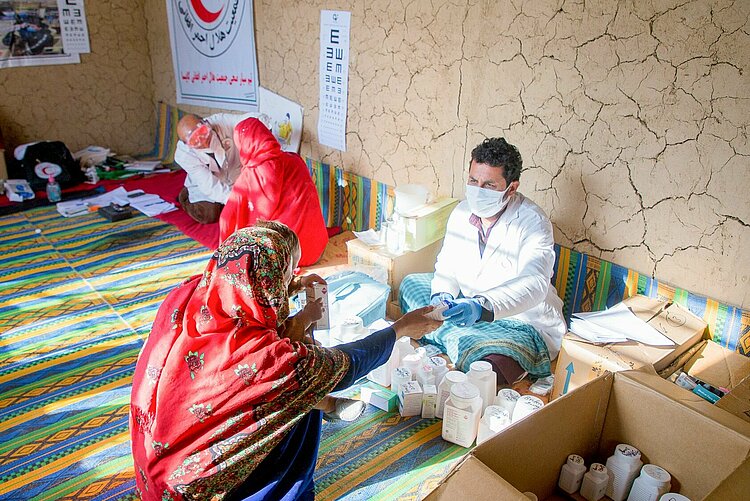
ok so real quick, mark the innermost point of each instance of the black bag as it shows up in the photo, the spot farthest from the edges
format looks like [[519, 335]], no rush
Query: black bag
[[54, 152]]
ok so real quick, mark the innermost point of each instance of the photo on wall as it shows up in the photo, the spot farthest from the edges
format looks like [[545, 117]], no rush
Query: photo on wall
[[30, 35]]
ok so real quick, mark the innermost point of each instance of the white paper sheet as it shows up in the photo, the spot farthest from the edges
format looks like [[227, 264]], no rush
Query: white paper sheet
[[620, 321], [334, 78]]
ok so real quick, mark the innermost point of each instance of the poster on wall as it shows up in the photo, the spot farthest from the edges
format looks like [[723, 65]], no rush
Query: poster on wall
[[334, 77], [213, 52], [30, 34], [73, 27], [286, 118]]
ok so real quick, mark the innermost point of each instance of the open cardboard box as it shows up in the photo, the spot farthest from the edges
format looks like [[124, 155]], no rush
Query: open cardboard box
[[580, 361], [701, 446]]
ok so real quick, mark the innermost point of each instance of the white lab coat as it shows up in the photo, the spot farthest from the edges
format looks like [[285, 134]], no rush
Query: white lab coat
[[515, 271], [210, 179]]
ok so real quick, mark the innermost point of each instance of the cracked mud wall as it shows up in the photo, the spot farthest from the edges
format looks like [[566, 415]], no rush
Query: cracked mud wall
[[105, 100], [632, 116]]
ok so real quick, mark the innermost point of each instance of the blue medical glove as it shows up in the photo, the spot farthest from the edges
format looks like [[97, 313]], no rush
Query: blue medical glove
[[436, 298], [464, 312]]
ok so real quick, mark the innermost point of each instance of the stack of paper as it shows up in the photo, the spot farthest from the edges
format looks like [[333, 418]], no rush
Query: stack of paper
[[150, 205], [143, 166], [616, 325]]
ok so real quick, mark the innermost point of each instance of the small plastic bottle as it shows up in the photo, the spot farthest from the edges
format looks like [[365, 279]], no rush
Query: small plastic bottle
[[461, 414], [494, 420], [507, 398], [403, 347], [425, 375], [53, 190], [412, 361], [594, 482], [439, 368], [444, 389], [483, 377], [399, 376], [650, 484], [571, 474], [623, 466]]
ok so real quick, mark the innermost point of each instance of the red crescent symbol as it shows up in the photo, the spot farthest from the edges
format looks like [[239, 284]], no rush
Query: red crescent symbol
[[203, 13]]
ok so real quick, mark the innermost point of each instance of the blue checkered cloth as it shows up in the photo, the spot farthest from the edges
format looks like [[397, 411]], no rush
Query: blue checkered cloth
[[465, 345]]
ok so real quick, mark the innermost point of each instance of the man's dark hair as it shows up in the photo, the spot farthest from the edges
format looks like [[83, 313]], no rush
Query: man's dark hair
[[497, 152]]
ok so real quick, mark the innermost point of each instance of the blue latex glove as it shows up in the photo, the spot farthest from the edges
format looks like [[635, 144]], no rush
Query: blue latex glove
[[440, 296], [464, 312]]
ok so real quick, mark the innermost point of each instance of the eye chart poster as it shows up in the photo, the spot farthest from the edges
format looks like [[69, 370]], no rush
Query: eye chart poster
[[334, 77]]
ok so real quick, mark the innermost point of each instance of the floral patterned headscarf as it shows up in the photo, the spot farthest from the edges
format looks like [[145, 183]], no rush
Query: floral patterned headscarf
[[215, 388]]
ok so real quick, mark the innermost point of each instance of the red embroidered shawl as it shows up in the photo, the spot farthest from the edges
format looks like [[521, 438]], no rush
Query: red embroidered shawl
[[215, 389]]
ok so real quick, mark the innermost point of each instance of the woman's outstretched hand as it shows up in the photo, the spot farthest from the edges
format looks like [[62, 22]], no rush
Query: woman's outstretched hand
[[415, 324]]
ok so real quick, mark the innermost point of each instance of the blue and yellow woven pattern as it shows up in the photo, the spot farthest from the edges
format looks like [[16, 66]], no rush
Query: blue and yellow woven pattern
[[586, 283], [349, 200], [165, 139]]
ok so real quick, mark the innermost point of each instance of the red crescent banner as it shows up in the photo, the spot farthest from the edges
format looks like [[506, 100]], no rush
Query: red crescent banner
[[203, 13]]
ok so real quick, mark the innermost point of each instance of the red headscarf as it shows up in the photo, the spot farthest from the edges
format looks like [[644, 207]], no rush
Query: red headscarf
[[275, 186], [215, 389]]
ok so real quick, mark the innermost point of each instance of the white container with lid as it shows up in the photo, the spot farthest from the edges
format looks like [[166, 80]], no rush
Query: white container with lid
[[623, 466], [650, 484], [494, 420], [444, 389], [439, 368], [571, 474], [594, 482], [483, 377], [412, 361], [461, 414], [507, 398], [526, 405], [399, 377], [403, 347], [426, 375]]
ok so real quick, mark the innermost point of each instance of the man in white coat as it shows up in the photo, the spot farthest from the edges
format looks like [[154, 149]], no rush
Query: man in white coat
[[206, 151], [494, 274]]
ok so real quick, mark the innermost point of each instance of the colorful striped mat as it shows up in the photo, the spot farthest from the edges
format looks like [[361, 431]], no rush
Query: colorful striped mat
[[587, 283], [77, 299]]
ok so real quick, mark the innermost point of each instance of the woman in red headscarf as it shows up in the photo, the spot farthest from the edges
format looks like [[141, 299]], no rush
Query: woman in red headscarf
[[276, 186], [222, 407]]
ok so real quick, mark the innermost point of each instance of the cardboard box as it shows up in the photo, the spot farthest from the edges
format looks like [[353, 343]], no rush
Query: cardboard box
[[427, 224], [738, 401], [397, 265], [702, 447], [579, 361], [718, 366], [380, 397]]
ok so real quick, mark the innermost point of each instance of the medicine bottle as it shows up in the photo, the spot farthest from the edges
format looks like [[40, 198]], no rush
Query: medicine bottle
[[571, 474], [461, 414], [623, 466], [594, 482], [483, 377], [444, 389]]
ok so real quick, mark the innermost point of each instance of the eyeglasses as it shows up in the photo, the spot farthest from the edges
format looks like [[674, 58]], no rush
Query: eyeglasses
[[200, 135]]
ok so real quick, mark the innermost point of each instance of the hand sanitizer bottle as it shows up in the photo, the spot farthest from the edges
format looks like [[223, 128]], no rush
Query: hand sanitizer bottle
[[53, 190]]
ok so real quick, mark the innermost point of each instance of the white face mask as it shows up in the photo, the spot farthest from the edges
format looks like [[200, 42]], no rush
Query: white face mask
[[484, 202]]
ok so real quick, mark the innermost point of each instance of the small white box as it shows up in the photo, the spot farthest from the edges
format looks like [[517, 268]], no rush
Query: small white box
[[313, 292], [429, 400], [410, 399], [382, 398]]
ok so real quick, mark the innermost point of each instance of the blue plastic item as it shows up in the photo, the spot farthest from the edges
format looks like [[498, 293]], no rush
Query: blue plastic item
[[355, 293]]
